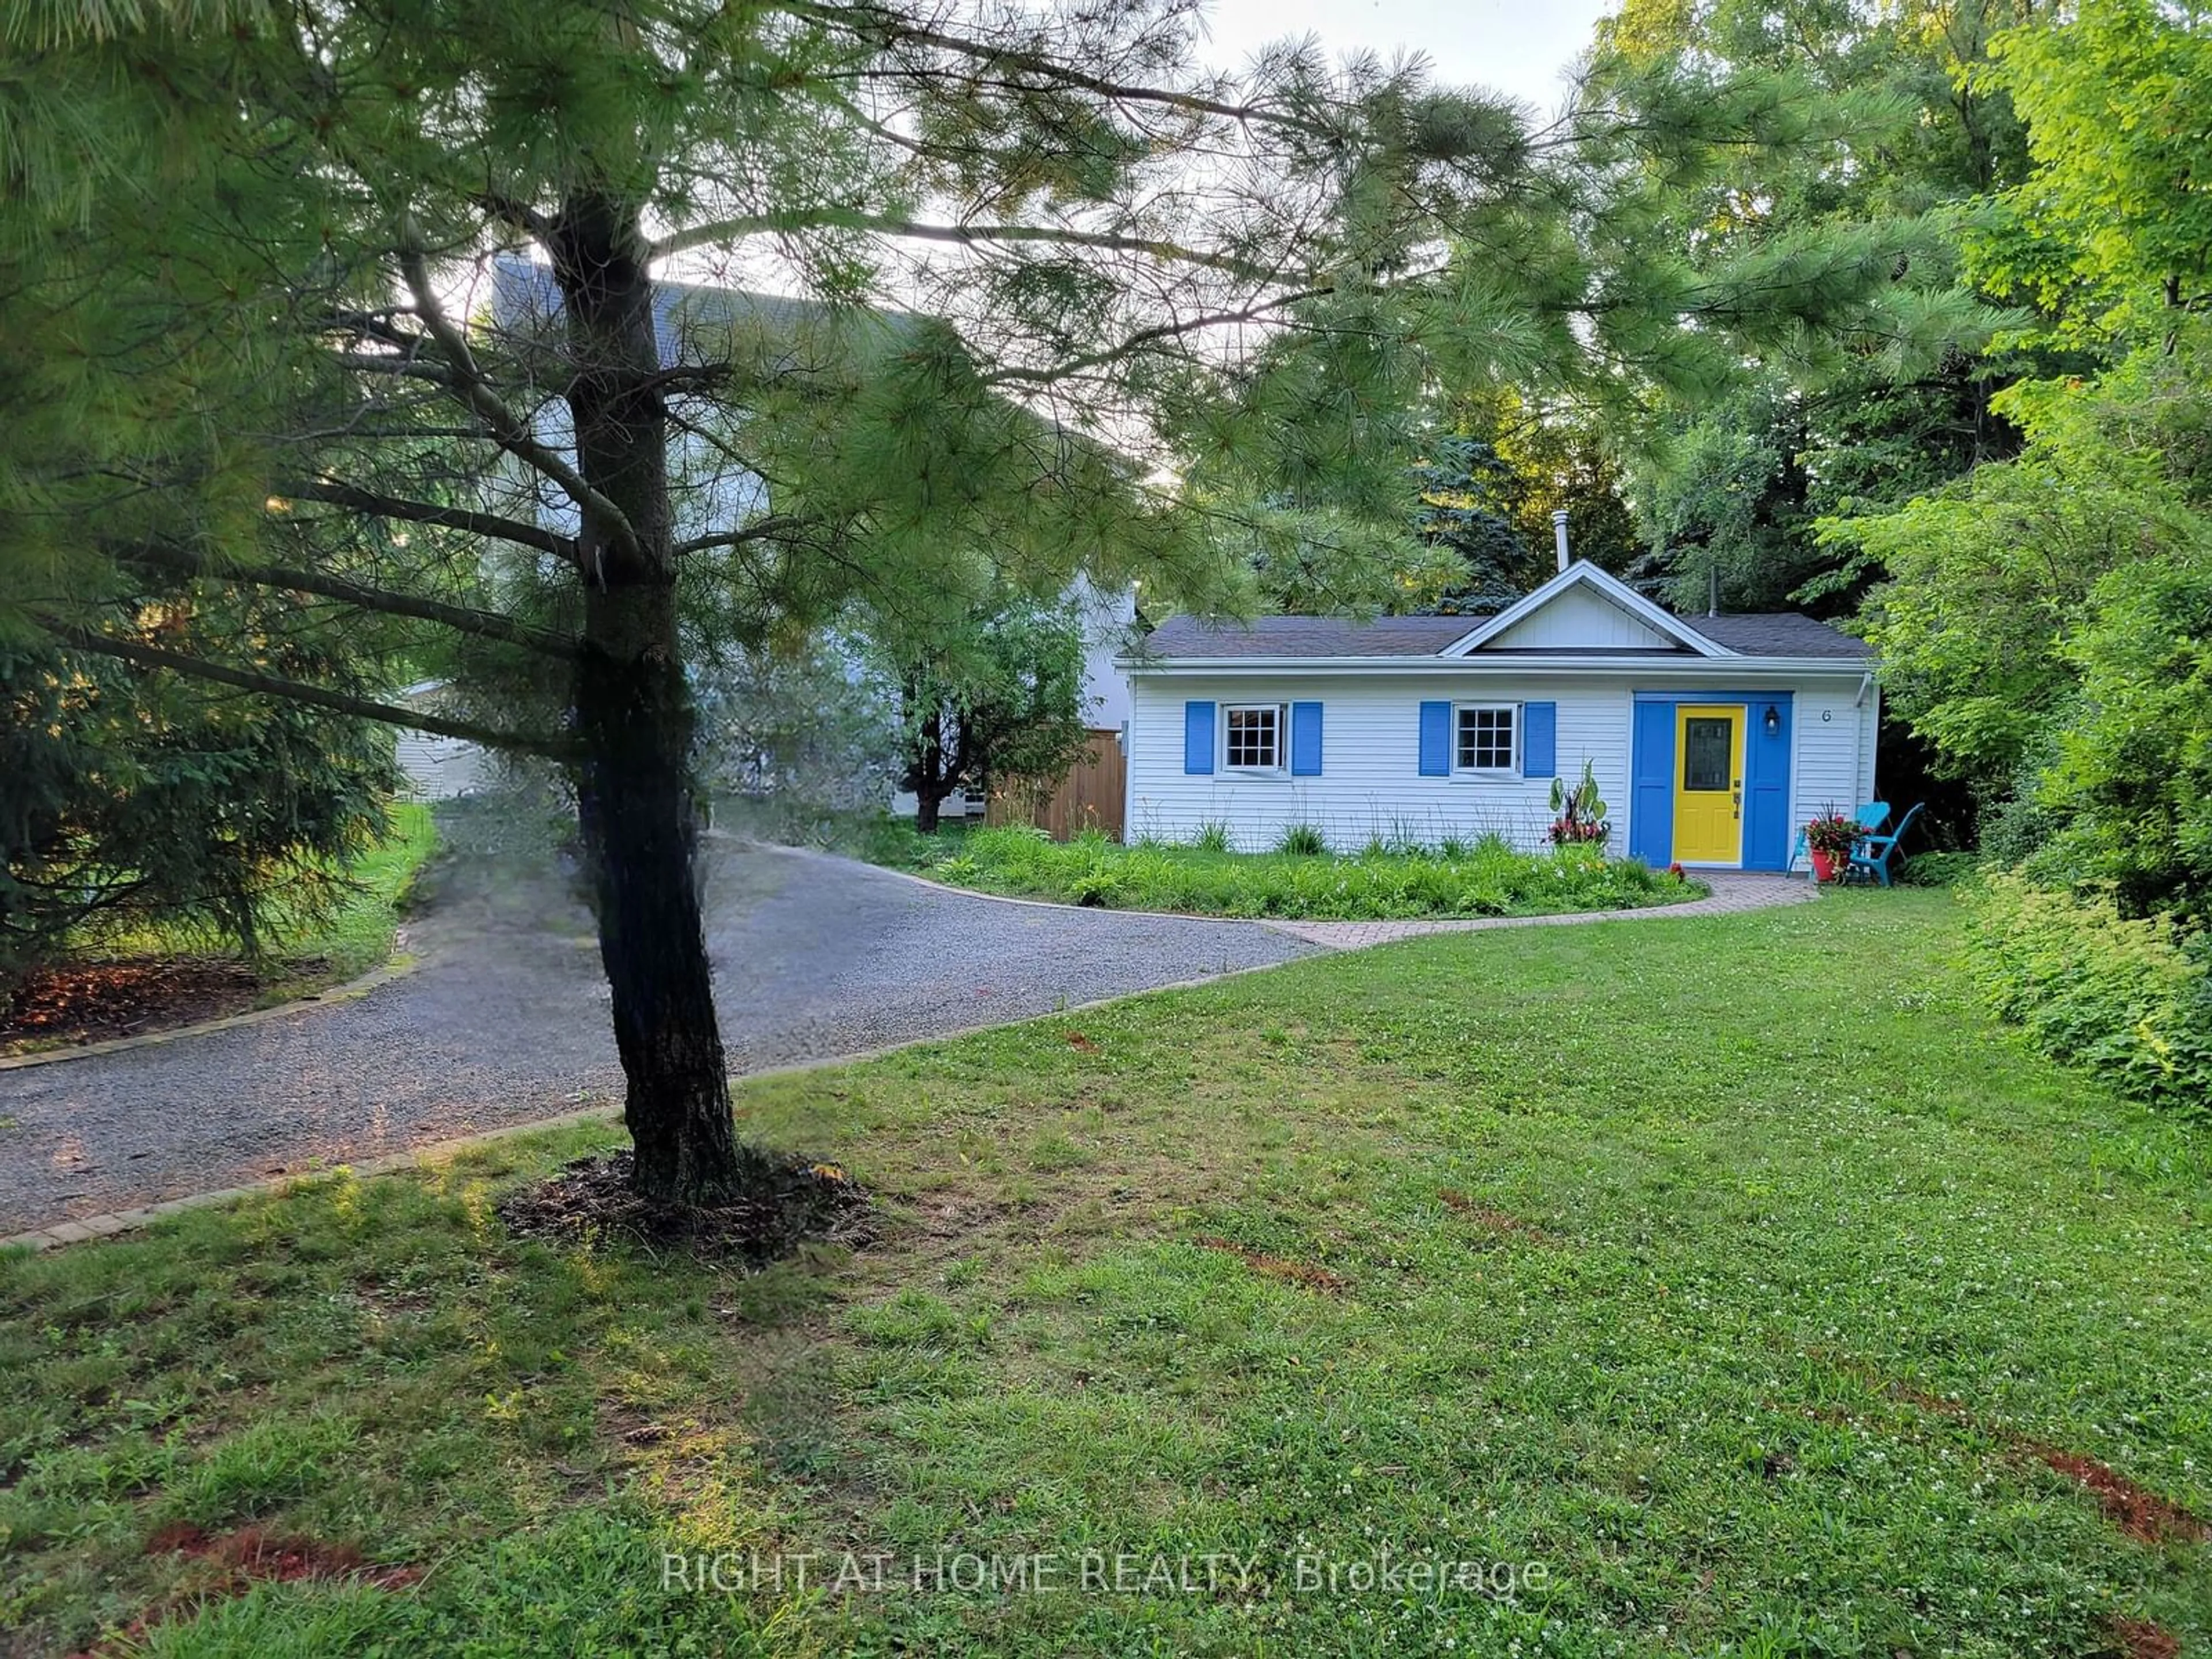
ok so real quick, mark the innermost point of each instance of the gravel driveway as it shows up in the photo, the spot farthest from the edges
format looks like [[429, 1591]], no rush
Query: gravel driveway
[[506, 1021]]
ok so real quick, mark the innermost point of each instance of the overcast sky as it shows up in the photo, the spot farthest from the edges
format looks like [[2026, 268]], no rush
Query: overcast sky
[[1518, 47]]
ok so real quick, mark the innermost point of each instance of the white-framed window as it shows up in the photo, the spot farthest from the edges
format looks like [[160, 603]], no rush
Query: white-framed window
[[1253, 736], [1485, 736]]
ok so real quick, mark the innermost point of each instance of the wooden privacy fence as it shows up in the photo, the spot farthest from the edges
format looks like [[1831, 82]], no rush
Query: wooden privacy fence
[[1089, 797]]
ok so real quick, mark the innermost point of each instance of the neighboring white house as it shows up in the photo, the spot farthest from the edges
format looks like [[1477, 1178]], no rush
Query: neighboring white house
[[694, 323], [1108, 619], [434, 767], [1712, 738]]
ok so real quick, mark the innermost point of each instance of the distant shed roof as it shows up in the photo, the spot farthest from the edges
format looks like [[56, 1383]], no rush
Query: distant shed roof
[[525, 298]]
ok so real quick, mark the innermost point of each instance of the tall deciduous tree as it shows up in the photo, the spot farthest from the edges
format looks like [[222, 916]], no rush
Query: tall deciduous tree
[[2035, 615], [995, 704], [1150, 317], [2110, 235], [1728, 489]]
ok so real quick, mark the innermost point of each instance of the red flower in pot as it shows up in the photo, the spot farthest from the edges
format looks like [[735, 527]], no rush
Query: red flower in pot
[[1829, 839]]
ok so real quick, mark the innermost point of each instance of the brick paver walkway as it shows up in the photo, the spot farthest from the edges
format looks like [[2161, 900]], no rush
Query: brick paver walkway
[[1732, 890]]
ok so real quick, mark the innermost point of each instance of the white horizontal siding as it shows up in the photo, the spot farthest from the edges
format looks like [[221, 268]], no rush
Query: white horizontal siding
[[1371, 783], [438, 768], [1833, 764]]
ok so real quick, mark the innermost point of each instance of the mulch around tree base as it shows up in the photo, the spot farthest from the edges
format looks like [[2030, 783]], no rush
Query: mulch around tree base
[[96, 1001], [590, 1198]]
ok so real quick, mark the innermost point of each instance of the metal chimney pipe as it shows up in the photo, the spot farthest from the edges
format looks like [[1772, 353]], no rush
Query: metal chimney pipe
[[1560, 533]]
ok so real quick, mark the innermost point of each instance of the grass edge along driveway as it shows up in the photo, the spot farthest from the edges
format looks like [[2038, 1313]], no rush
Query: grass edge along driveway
[[1735, 1271]]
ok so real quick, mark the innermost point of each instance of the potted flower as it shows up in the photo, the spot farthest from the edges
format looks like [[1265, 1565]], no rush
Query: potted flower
[[1578, 812], [1829, 838]]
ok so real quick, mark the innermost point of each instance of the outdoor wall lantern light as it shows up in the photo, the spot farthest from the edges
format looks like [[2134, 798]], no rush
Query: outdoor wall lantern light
[[1774, 721]]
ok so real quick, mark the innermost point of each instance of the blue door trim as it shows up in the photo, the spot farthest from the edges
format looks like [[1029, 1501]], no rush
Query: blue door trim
[[1765, 774], [1766, 782], [1651, 783]]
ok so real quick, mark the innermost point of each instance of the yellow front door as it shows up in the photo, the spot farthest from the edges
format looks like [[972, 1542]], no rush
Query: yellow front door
[[1708, 784]]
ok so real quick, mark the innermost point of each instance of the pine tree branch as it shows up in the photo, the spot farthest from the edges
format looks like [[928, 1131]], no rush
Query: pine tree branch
[[760, 529], [1259, 311], [887, 28], [398, 368], [518, 213], [276, 685], [509, 430], [467, 521], [963, 235], [464, 619]]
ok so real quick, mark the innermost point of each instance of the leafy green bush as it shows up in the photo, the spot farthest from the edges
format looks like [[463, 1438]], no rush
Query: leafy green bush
[[2130, 999], [1301, 840], [1488, 879], [880, 838], [1212, 836], [2132, 784], [1938, 869]]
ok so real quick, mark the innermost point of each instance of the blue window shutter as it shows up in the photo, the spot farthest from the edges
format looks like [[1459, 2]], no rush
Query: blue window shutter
[[1305, 740], [1540, 739], [1197, 737], [1436, 739]]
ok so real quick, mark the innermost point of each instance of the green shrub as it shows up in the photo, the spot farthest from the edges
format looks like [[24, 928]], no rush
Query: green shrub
[[1938, 869], [2129, 999], [1301, 840], [1092, 887], [1212, 836], [1489, 879]]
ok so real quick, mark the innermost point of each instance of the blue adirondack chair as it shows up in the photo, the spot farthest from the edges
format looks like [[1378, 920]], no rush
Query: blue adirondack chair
[[1872, 856], [1870, 818]]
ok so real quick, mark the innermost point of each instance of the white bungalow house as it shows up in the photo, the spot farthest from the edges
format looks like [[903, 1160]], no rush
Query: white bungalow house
[[1712, 738]]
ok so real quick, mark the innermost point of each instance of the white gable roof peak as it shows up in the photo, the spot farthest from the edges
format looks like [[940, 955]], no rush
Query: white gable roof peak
[[1582, 574]]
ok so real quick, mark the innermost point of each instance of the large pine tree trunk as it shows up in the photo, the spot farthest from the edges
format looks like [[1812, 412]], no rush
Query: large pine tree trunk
[[634, 721]]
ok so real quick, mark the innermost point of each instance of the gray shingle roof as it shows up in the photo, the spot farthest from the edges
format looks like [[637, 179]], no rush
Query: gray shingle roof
[[1783, 635], [1310, 637]]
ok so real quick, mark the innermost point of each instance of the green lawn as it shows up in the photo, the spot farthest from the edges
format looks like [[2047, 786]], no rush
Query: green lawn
[[1479, 877], [1735, 1271], [360, 936]]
